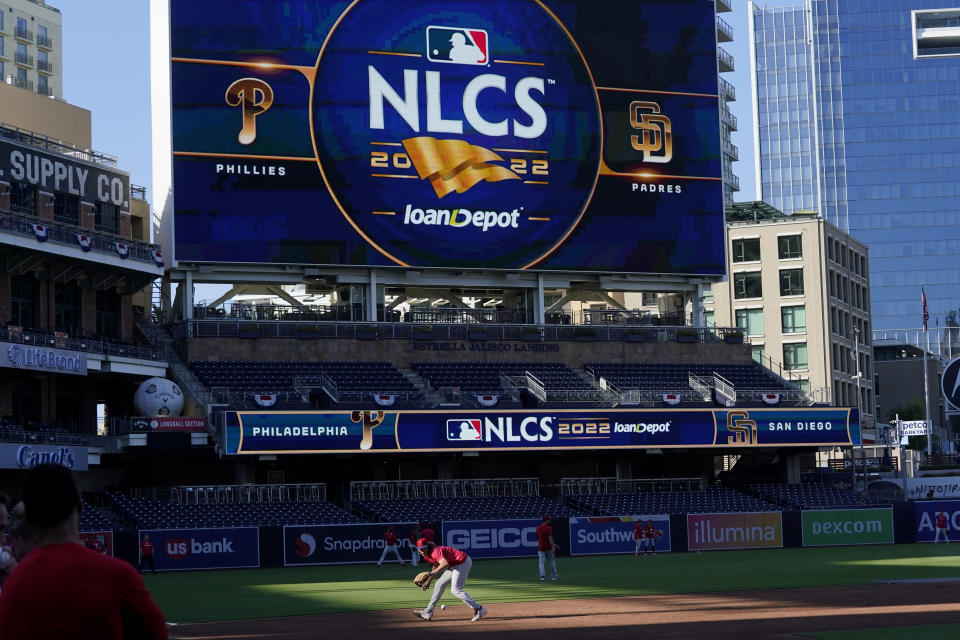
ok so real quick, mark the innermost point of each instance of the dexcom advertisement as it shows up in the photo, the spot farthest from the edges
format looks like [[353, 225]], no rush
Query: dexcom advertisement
[[504, 134], [258, 432], [342, 543]]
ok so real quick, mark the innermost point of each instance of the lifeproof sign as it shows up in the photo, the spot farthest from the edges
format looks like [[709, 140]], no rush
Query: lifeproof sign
[[614, 534], [261, 432], [830, 527], [342, 543]]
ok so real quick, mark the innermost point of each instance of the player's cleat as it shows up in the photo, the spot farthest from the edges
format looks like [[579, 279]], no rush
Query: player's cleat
[[543, 578], [423, 614], [555, 577], [478, 613]]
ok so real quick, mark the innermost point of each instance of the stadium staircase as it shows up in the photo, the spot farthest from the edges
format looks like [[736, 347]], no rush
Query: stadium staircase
[[164, 343], [431, 399]]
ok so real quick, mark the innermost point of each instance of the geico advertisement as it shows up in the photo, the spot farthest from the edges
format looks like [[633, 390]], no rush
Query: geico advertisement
[[925, 519], [343, 543], [226, 548], [493, 538], [847, 526], [505, 134], [257, 432], [715, 531], [615, 534]]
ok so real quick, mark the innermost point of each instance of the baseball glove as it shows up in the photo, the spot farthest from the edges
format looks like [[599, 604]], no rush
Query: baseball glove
[[422, 579]]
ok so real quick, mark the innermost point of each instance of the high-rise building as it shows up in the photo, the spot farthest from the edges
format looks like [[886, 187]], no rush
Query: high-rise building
[[728, 121], [31, 46], [857, 117]]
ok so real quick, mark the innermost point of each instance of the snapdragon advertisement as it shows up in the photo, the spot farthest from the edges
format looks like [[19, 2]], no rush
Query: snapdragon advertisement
[[501, 134]]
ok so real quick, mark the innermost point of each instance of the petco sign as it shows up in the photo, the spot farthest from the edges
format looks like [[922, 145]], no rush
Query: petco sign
[[27, 456], [24, 356]]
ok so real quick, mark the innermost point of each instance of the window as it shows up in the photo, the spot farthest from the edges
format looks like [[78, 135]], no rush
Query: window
[[795, 356], [66, 208], [42, 36], [708, 295], [789, 247], [747, 285], [23, 301], [21, 26], [746, 250], [42, 59], [42, 85], [793, 319], [67, 307], [23, 198], [649, 299], [708, 319], [791, 282], [108, 304], [751, 321], [759, 353], [803, 384], [1, 39], [106, 217]]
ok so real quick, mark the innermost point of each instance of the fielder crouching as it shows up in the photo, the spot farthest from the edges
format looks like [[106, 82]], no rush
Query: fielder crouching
[[452, 566]]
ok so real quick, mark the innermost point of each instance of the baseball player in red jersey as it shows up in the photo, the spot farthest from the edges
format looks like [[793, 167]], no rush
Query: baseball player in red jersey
[[390, 538], [650, 538], [942, 527], [638, 537], [546, 548], [428, 532], [453, 567], [415, 534]]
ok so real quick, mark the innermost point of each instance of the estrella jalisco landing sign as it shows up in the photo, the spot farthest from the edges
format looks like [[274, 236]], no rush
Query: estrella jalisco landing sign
[[504, 134], [253, 432]]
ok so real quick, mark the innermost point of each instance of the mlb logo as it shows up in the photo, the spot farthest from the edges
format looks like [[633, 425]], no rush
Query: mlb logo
[[457, 45], [469, 430]]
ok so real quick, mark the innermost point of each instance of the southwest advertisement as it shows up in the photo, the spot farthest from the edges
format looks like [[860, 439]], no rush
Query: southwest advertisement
[[255, 433], [342, 543], [722, 531], [847, 526], [500, 134], [227, 548], [615, 534]]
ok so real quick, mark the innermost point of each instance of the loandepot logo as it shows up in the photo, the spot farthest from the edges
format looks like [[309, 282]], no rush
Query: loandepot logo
[[450, 145]]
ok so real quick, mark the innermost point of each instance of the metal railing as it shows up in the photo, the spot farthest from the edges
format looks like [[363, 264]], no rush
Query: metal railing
[[41, 141], [23, 59], [66, 234], [46, 67], [419, 489], [246, 493], [23, 83], [87, 345], [728, 89], [727, 117], [724, 29], [44, 41], [726, 59], [22, 33], [588, 486]]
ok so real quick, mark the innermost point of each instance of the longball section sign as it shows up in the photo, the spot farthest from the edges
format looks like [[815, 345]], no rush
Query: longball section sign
[[500, 134]]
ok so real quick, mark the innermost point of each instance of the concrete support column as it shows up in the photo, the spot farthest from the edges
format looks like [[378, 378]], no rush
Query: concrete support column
[[88, 215], [624, 466], [4, 195], [88, 309], [126, 318], [124, 225], [538, 306], [45, 205], [4, 299], [187, 297], [372, 297], [791, 468]]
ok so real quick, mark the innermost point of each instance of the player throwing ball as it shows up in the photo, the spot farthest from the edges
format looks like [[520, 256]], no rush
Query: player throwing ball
[[450, 568]]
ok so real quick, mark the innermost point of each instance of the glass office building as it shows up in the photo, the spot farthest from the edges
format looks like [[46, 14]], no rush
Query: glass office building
[[857, 116]]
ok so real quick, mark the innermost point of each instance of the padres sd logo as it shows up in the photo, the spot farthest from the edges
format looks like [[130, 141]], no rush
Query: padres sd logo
[[449, 136]]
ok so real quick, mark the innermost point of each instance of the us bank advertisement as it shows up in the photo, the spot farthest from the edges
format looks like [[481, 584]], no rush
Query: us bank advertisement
[[256, 433], [500, 134]]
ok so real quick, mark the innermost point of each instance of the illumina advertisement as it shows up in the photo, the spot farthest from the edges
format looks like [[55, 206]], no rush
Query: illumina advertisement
[[559, 135]]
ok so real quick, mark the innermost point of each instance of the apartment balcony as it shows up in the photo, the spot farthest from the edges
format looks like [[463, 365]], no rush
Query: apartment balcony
[[24, 35], [726, 60], [45, 91], [731, 181], [723, 6], [23, 83], [727, 118], [45, 42], [724, 31], [45, 67], [24, 60], [730, 149], [727, 90]]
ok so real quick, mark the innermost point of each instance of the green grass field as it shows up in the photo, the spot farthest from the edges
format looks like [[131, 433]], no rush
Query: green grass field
[[204, 596]]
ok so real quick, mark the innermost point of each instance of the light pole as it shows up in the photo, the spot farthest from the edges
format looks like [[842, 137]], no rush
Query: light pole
[[856, 360]]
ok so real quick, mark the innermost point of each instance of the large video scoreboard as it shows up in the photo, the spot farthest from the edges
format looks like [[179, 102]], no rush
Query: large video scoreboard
[[563, 135]]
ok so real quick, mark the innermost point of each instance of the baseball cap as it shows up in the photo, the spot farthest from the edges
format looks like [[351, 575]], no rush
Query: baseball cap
[[545, 518], [422, 543]]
